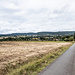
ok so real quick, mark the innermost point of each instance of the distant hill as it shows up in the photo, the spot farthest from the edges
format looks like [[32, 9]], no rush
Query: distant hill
[[41, 33]]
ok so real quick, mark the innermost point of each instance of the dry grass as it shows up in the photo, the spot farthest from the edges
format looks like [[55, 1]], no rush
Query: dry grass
[[17, 52]]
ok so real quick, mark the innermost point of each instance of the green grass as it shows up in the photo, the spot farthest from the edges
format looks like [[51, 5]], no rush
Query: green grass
[[35, 41], [36, 64], [46, 41]]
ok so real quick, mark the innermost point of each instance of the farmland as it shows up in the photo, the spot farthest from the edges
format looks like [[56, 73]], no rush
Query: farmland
[[19, 52]]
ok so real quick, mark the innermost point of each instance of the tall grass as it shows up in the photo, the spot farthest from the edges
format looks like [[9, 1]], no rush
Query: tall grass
[[36, 64]]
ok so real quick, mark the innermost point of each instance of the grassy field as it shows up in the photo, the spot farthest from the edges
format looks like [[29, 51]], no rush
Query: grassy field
[[28, 58]]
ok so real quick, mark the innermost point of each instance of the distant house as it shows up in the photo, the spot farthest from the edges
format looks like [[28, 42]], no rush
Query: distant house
[[55, 39], [35, 39], [1, 37]]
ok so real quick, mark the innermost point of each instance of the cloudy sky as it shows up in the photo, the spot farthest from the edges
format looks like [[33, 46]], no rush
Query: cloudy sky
[[17, 16]]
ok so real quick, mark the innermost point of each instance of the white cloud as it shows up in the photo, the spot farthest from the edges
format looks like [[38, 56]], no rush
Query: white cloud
[[36, 15]]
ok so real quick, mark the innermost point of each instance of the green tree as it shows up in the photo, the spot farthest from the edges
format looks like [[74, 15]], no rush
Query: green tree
[[74, 36]]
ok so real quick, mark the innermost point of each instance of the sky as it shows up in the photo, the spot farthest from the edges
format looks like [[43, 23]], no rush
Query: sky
[[23, 16]]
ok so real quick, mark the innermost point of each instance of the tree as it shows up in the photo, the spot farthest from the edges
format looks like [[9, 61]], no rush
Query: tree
[[70, 39], [74, 36]]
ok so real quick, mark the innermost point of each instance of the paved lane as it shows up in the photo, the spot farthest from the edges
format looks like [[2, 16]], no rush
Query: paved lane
[[64, 65]]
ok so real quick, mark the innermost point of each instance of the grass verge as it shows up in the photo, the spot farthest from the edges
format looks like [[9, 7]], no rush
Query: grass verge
[[36, 64]]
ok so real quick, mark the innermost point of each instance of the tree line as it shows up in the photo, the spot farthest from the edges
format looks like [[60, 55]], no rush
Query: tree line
[[41, 38]]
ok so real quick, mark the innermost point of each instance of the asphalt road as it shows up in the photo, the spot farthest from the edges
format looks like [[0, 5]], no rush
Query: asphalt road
[[64, 65]]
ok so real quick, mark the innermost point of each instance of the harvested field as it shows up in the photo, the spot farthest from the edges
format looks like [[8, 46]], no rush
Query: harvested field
[[11, 52]]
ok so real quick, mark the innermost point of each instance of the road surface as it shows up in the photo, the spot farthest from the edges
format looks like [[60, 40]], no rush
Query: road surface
[[64, 65]]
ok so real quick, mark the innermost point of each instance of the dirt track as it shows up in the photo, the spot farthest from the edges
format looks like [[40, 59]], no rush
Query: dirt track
[[20, 51]]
